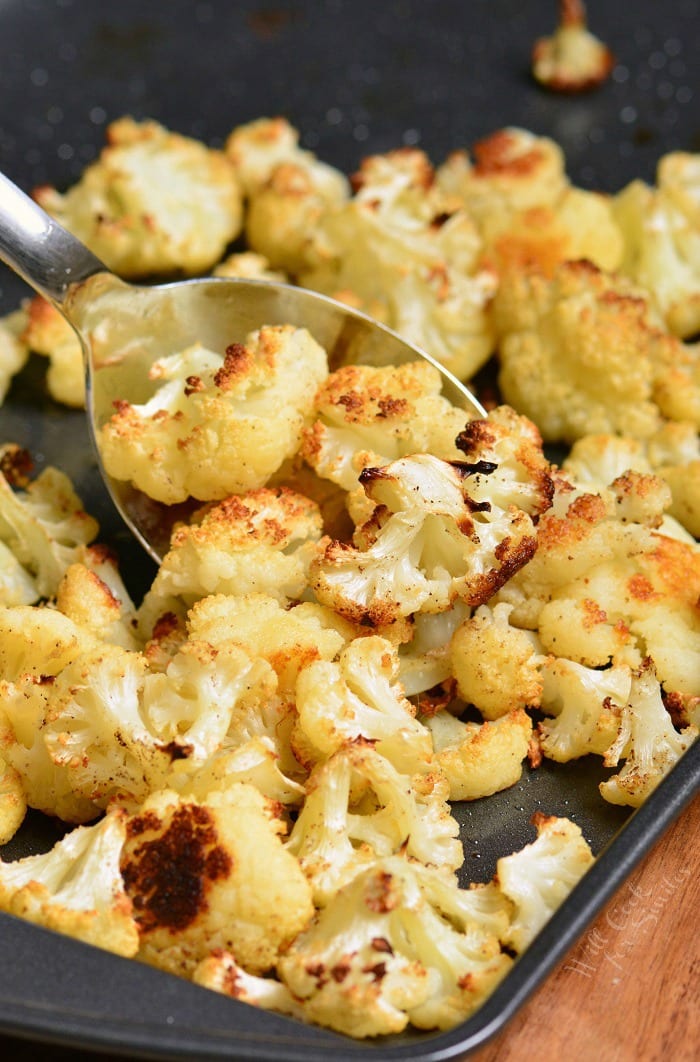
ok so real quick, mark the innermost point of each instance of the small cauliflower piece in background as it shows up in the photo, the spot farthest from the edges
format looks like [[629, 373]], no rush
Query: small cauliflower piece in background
[[661, 229], [217, 425], [260, 542], [406, 253], [13, 349], [248, 266], [647, 740], [400, 943], [539, 877], [154, 202], [212, 874], [76, 888], [13, 803], [674, 454], [572, 59], [221, 973], [42, 523], [48, 333], [480, 759], [93, 594], [288, 190]]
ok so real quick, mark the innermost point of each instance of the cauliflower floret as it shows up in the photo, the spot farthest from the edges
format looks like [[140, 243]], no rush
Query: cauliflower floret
[[218, 425], [369, 416], [358, 808], [154, 202], [39, 642], [400, 943], [250, 266], [13, 803], [44, 525], [674, 453], [13, 350], [586, 705], [496, 665], [526, 210], [480, 759], [93, 595], [581, 353], [648, 741], [221, 973], [359, 697], [261, 542], [541, 875], [212, 874], [661, 229], [76, 888], [437, 534], [572, 59], [407, 253], [424, 661], [48, 333]]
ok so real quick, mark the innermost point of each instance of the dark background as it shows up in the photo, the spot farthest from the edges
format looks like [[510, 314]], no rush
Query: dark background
[[355, 77]]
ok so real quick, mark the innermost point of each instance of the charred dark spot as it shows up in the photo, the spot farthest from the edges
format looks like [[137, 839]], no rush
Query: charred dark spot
[[340, 971], [16, 465], [382, 944], [176, 751], [377, 971], [367, 475], [473, 468]]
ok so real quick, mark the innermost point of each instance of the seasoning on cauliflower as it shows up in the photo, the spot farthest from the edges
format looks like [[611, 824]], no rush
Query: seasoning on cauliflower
[[572, 59], [13, 803], [662, 242], [154, 202], [437, 534], [406, 253], [360, 697], [43, 526], [647, 740], [217, 425], [539, 877], [13, 350], [76, 888], [585, 704], [261, 542], [212, 874], [400, 943], [39, 642], [480, 759], [358, 808]]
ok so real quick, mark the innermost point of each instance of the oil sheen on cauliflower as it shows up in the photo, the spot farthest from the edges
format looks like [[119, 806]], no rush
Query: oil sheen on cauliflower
[[217, 425]]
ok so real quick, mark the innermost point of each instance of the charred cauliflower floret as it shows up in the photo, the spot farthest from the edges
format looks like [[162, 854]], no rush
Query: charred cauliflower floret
[[212, 874], [437, 533], [525, 207], [260, 542], [42, 525], [76, 888], [661, 227], [400, 943], [572, 59], [13, 350], [581, 353], [154, 202], [406, 253], [217, 425], [480, 759], [539, 877]]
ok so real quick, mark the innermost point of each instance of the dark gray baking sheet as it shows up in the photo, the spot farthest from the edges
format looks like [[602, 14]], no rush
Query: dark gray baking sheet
[[355, 77]]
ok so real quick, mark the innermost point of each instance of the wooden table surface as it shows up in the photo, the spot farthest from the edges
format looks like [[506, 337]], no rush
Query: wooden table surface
[[628, 992]]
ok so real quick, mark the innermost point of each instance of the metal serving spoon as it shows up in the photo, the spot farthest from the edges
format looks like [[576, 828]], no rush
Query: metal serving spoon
[[123, 328]]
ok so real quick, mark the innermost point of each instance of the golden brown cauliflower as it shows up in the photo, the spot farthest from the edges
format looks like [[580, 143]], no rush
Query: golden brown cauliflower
[[154, 202], [13, 349], [572, 59]]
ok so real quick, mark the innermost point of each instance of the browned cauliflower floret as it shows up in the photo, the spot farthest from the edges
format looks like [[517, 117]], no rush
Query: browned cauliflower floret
[[93, 594], [47, 332], [406, 253], [13, 803], [218, 424], [154, 202], [480, 759], [526, 209], [212, 874], [661, 228], [582, 353], [13, 349], [572, 59]]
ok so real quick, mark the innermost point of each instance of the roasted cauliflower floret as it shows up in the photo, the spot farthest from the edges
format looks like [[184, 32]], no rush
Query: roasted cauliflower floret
[[221, 973], [359, 808], [249, 266], [39, 642], [43, 525], [360, 697], [539, 877], [585, 704], [400, 943], [572, 59], [13, 350], [406, 253], [212, 874], [437, 534], [48, 333], [674, 454], [93, 594], [662, 243], [13, 803], [261, 542], [76, 888], [480, 759], [217, 425], [154, 202], [647, 740]]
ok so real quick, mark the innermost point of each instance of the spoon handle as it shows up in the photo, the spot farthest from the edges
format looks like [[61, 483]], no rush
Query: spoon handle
[[36, 247]]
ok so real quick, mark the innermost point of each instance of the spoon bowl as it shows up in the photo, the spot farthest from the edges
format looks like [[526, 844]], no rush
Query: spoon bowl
[[124, 328]]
